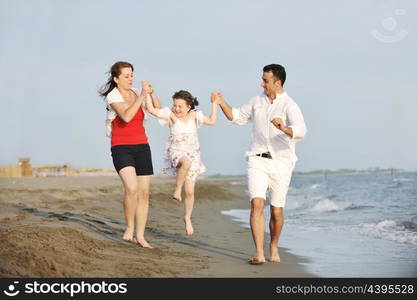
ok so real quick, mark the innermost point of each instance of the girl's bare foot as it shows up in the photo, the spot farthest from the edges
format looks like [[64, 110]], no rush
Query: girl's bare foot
[[128, 235], [177, 195], [274, 257], [188, 226], [142, 242]]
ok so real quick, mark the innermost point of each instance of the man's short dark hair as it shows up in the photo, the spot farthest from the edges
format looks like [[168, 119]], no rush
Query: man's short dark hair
[[278, 71]]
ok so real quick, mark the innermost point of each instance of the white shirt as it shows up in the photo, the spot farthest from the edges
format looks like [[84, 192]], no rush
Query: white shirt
[[164, 114], [113, 97], [265, 136]]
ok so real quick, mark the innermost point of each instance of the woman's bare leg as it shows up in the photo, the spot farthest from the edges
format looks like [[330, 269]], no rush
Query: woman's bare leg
[[128, 177], [142, 209]]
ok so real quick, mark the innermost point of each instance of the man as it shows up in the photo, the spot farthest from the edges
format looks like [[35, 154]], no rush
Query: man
[[277, 125]]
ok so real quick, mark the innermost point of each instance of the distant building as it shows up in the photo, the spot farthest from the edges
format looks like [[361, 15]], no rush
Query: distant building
[[25, 169]]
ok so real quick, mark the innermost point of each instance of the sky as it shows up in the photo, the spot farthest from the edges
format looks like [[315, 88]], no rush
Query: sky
[[351, 68]]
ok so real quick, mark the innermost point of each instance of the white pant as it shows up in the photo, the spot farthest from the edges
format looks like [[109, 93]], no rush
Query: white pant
[[265, 174]]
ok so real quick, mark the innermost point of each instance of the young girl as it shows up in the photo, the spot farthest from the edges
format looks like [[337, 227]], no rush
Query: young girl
[[182, 151]]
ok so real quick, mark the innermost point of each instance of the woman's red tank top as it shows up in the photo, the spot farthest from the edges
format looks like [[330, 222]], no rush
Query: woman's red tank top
[[129, 133]]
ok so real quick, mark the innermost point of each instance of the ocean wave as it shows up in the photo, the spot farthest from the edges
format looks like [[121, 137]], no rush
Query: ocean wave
[[238, 215], [395, 185], [315, 186], [409, 225], [324, 205], [401, 232], [237, 183], [403, 179], [357, 207], [295, 204]]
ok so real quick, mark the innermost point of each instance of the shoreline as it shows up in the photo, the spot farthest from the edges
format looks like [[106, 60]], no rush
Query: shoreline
[[72, 227]]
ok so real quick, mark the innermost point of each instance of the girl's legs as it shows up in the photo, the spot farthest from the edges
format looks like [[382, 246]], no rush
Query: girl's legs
[[128, 176], [188, 205], [183, 166], [142, 209]]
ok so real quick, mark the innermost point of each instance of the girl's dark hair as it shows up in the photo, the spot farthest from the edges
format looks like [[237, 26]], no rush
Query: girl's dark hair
[[115, 71], [189, 99]]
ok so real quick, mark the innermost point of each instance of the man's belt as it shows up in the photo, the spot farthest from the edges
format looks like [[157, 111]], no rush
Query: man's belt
[[265, 154]]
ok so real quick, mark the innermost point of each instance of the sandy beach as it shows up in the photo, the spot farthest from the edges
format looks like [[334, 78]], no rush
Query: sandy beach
[[72, 227]]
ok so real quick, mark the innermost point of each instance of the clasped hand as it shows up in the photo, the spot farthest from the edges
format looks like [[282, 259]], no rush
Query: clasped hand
[[216, 97], [146, 87]]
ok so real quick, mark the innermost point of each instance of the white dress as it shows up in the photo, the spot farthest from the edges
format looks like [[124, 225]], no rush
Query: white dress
[[182, 142]]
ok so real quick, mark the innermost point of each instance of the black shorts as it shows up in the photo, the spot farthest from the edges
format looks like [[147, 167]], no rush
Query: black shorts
[[137, 156]]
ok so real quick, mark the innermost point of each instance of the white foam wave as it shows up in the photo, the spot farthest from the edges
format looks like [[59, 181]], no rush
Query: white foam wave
[[391, 230], [236, 183], [295, 204], [403, 179], [324, 205], [315, 186], [238, 215]]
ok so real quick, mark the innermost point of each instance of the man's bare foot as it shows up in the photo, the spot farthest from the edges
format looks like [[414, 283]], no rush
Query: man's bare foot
[[177, 195], [274, 255], [142, 242], [128, 235], [188, 226]]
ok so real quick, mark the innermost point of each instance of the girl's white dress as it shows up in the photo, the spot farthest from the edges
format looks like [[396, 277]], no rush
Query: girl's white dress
[[182, 142]]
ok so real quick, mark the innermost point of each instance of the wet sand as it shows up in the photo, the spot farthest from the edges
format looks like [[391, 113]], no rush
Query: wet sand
[[73, 227]]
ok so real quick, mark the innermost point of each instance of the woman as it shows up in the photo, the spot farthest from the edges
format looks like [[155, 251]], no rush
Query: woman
[[129, 145]]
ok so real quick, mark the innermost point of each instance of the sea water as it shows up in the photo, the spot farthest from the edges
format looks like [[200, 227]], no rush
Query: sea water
[[361, 225]]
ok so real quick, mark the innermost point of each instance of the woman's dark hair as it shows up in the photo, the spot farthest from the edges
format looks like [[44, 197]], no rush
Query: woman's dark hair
[[189, 99], [278, 71], [115, 71]]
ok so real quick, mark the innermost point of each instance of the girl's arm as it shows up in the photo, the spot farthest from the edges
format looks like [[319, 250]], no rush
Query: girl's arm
[[163, 113], [211, 120], [150, 106], [155, 101]]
